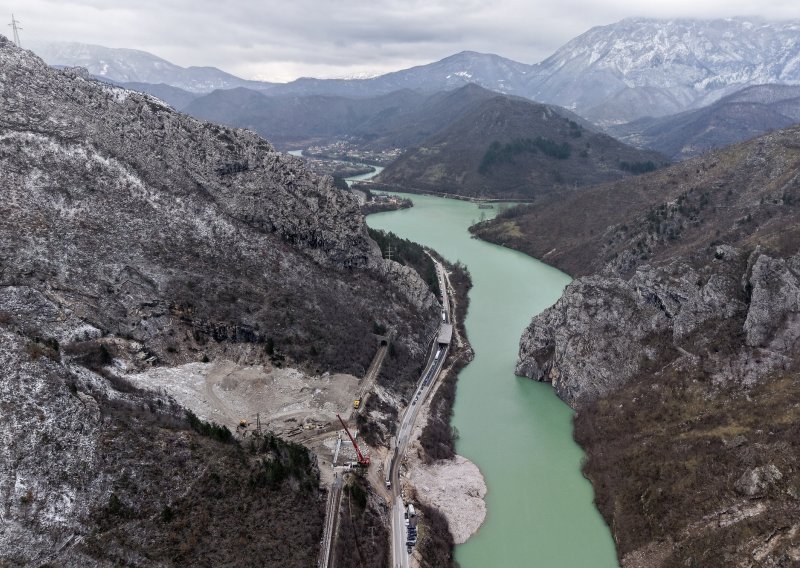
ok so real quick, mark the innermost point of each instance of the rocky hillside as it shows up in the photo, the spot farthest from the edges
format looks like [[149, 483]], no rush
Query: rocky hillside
[[133, 236], [737, 117], [407, 127], [645, 67], [513, 148], [678, 347]]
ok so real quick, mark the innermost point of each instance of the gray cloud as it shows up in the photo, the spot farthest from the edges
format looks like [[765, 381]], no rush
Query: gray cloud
[[283, 40]]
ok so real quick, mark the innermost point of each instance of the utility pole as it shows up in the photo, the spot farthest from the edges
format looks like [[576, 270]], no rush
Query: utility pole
[[15, 26]]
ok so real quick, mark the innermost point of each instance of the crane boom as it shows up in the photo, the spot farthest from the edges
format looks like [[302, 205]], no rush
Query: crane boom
[[363, 460]]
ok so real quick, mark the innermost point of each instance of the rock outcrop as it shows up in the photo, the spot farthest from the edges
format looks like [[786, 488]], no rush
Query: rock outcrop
[[755, 481], [605, 329]]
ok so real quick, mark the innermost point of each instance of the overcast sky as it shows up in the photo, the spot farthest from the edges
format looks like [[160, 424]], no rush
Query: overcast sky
[[280, 41]]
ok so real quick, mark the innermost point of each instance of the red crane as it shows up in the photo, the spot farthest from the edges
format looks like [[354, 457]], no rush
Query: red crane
[[363, 460]]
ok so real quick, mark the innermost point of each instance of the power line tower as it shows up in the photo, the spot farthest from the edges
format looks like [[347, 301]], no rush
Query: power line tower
[[14, 25], [389, 251]]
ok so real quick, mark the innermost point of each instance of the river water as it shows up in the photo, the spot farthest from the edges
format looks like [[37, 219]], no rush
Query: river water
[[350, 180], [378, 169], [539, 506]]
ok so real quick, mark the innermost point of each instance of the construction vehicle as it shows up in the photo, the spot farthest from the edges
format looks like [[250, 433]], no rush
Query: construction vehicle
[[357, 403], [243, 423], [363, 460]]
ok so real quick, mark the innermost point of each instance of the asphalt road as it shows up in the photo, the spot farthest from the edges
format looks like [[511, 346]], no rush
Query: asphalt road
[[424, 385]]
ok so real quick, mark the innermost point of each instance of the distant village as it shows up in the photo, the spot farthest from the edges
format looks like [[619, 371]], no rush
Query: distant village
[[347, 151]]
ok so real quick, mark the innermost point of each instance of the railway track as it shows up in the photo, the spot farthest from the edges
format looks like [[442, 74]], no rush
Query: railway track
[[327, 556]]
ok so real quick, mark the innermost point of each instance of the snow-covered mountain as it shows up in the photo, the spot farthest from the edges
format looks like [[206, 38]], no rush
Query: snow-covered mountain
[[485, 69], [135, 66], [640, 67], [610, 74]]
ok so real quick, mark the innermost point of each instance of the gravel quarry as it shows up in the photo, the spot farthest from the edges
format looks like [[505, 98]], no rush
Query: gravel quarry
[[287, 400]]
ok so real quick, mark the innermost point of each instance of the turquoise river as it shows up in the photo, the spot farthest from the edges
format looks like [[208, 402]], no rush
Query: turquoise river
[[539, 506]]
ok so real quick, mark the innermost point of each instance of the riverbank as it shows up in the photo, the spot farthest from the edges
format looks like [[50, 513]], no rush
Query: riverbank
[[365, 185], [455, 488], [433, 463], [335, 168], [383, 203], [516, 431], [449, 512], [442, 480]]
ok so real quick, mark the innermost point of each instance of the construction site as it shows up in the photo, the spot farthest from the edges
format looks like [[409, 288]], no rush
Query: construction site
[[321, 413]]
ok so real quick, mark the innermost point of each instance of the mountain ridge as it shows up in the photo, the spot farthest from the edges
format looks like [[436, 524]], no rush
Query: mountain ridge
[[641, 66], [126, 65], [609, 74], [397, 119], [743, 114]]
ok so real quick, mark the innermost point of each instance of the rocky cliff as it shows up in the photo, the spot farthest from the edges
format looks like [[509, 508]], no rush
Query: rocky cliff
[[133, 236], [679, 348], [606, 330]]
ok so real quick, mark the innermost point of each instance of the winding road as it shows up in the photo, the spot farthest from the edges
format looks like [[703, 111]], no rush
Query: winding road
[[425, 385]]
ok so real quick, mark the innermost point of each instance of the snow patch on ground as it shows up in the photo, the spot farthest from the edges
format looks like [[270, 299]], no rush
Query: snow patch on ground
[[117, 93]]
